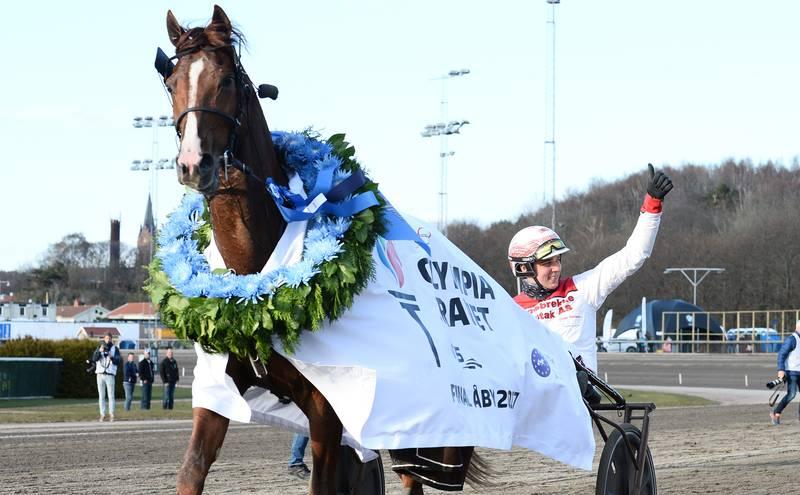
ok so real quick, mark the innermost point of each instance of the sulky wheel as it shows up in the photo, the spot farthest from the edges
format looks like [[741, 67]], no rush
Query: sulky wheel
[[356, 478], [615, 475]]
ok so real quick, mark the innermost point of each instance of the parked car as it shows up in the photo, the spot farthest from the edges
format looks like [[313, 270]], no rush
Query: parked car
[[127, 344], [626, 342]]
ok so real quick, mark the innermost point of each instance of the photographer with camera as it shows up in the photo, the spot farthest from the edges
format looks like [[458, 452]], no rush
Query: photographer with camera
[[106, 360], [788, 371]]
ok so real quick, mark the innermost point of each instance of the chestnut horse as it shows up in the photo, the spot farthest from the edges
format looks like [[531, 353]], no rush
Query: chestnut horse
[[220, 122]]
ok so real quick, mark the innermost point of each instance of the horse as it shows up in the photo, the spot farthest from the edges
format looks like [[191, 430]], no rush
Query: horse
[[220, 122]]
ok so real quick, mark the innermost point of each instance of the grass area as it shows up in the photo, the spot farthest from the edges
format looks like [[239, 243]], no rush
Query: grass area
[[61, 410], [661, 399]]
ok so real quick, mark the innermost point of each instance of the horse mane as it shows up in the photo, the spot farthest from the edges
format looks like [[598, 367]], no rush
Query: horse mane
[[211, 36]]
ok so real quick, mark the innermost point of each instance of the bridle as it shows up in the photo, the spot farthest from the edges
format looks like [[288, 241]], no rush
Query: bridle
[[165, 66]]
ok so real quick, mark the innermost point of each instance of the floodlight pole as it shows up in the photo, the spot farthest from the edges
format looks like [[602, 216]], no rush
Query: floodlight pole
[[550, 121], [439, 129], [693, 279], [152, 165]]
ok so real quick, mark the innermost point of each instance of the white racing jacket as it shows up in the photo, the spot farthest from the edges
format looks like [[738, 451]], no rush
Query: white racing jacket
[[571, 310]]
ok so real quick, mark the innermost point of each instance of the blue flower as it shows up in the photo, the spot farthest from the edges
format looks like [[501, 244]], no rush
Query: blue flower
[[180, 272], [247, 287], [324, 249], [300, 273], [198, 285]]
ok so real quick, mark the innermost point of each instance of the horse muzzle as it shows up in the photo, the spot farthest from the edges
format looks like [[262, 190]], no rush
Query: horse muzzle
[[198, 171]]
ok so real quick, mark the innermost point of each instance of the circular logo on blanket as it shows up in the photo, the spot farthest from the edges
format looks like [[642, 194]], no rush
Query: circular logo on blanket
[[540, 364]]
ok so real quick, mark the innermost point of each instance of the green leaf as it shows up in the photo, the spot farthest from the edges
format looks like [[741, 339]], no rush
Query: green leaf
[[177, 303], [367, 216], [266, 319], [361, 235], [347, 274], [329, 269]]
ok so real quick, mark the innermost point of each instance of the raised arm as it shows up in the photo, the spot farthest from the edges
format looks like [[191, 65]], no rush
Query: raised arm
[[599, 282]]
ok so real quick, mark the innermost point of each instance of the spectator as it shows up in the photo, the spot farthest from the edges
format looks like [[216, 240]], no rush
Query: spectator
[[146, 375], [788, 371], [641, 342], [668, 345], [297, 467], [106, 359], [131, 372], [169, 375], [731, 338]]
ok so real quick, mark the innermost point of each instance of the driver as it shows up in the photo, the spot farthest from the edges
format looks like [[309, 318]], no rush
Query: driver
[[569, 305]]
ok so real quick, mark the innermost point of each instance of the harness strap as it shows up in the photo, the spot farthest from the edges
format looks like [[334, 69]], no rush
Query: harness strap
[[281, 398], [253, 362], [228, 116]]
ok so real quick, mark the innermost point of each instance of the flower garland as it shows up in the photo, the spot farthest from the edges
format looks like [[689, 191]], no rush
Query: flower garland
[[241, 314]]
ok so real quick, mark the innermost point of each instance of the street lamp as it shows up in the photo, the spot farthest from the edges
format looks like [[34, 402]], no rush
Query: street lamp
[[443, 129], [694, 280]]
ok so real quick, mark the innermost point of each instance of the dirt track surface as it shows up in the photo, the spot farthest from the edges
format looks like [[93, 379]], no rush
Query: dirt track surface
[[697, 450]]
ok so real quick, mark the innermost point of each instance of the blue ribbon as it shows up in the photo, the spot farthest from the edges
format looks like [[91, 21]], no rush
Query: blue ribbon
[[292, 205], [323, 198], [397, 229]]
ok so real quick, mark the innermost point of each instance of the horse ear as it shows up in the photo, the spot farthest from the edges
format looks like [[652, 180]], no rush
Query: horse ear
[[220, 21], [174, 30]]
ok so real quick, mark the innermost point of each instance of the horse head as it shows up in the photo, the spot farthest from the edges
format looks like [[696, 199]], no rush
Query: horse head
[[209, 89], [226, 150]]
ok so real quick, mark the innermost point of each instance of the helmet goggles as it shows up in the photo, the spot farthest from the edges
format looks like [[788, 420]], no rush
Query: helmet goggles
[[523, 266]]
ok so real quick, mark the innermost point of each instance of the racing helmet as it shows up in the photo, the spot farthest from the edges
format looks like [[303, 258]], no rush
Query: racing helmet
[[530, 245]]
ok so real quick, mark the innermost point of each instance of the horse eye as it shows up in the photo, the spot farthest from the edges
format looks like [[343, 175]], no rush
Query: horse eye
[[227, 81]]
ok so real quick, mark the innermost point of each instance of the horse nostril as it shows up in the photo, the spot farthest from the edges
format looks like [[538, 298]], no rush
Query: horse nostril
[[184, 169]]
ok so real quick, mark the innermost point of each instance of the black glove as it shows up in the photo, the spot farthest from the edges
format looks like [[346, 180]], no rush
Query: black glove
[[659, 184]]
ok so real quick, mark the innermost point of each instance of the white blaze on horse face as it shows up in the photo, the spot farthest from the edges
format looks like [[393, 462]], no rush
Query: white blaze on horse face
[[190, 144]]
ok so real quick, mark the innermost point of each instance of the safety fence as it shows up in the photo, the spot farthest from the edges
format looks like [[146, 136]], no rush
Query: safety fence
[[752, 331]]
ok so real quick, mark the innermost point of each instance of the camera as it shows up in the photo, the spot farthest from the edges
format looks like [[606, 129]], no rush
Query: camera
[[774, 383]]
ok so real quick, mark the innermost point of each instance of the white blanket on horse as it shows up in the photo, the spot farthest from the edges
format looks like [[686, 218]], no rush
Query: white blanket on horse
[[433, 353]]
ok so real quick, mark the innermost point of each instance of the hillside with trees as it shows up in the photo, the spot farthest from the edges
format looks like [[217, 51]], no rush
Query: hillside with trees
[[735, 216], [74, 268]]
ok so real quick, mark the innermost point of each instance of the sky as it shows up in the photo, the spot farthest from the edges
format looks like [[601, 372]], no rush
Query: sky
[[637, 81]]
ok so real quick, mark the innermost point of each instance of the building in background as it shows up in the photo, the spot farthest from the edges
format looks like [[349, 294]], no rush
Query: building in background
[[30, 311], [81, 313], [97, 333], [114, 247], [142, 313], [147, 232]]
